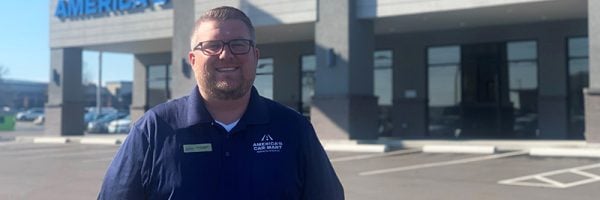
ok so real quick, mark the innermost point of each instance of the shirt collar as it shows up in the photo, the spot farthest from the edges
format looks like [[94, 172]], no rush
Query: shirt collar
[[197, 112], [256, 112]]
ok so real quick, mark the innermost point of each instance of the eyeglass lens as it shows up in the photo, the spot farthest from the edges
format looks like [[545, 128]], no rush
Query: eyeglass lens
[[239, 46]]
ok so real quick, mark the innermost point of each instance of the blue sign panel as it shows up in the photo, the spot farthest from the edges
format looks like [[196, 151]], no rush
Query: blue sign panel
[[80, 8]]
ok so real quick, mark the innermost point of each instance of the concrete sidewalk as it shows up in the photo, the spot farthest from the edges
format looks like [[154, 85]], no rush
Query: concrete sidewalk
[[551, 148], [105, 139]]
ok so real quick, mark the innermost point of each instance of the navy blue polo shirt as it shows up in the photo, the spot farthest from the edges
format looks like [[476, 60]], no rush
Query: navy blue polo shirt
[[177, 151]]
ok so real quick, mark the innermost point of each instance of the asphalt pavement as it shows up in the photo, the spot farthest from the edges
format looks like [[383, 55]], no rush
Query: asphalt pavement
[[74, 170]]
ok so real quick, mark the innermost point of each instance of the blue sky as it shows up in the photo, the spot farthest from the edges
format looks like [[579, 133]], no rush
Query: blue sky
[[24, 48]]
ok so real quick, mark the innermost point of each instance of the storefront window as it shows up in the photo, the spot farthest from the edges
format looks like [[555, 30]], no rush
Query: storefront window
[[309, 66], [444, 90], [264, 77], [383, 81], [578, 79], [523, 86]]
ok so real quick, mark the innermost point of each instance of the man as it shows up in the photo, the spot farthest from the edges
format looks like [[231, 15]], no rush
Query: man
[[223, 141]]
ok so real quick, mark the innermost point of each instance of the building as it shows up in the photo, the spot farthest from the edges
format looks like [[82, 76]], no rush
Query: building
[[22, 95], [362, 69], [107, 97], [121, 94]]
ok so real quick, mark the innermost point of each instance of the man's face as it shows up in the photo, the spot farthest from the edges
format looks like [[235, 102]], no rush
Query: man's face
[[224, 76]]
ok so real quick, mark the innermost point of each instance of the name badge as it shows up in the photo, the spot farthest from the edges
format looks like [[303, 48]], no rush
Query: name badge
[[193, 148]]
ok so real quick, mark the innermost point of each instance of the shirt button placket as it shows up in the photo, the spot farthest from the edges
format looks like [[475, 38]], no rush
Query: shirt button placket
[[227, 144], [226, 141]]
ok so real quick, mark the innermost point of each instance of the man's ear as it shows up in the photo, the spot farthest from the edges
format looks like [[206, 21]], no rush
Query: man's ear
[[191, 58], [257, 53]]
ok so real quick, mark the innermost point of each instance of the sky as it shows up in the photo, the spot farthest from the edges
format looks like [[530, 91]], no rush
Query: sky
[[25, 51]]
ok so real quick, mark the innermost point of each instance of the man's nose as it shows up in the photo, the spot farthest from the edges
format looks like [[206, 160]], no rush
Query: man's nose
[[226, 53]]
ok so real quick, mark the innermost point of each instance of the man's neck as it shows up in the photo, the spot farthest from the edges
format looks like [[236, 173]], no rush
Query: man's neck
[[227, 111]]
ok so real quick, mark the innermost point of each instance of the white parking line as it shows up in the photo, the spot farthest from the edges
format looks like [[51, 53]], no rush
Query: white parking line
[[369, 156], [19, 146], [438, 164], [548, 182], [103, 159], [87, 152], [25, 151]]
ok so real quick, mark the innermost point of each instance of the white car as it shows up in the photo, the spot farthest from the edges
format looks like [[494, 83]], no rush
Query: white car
[[39, 120], [120, 125], [30, 115]]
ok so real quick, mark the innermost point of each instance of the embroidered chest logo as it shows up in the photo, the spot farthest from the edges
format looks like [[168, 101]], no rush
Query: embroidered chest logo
[[267, 144]]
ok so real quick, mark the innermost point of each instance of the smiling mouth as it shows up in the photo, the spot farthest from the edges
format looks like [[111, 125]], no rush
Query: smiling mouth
[[226, 69]]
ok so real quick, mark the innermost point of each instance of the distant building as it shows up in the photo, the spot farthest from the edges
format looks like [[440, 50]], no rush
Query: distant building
[[115, 94], [121, 93], [24, 94]]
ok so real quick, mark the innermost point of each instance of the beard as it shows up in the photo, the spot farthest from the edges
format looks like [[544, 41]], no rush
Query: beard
[[231, 87]]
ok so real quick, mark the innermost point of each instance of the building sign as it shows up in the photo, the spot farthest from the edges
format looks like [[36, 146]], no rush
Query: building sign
[[81, 8]]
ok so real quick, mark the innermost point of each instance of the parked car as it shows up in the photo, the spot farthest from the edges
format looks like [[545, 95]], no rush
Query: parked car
[[120, 125], [101, 125], [30, 115], [39, 120], [91, 113], [91, 116]]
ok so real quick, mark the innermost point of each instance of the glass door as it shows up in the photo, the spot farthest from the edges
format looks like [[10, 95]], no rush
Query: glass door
[[486, 110]]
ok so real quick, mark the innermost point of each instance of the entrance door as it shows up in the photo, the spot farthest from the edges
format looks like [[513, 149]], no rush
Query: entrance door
[[485, 108]]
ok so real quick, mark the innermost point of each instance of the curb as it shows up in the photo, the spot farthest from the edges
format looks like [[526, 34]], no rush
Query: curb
[[104, 141], [466, 149], [372, 148], [51, 140], [101, 140], [555, 148], [566, 152], [538, 148], [5, 138]]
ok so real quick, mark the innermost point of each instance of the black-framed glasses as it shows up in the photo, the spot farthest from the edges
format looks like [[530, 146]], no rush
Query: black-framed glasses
[[215, 47]]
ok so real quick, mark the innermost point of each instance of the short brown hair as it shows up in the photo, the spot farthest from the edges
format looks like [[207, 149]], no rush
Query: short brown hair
[[221, 14]]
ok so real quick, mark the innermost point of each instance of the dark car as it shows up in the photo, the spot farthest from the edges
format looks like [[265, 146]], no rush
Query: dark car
[[100, 125]]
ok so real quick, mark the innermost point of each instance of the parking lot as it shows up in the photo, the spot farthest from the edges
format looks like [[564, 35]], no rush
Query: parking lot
[[52, 171], [507, 175], [75, 171]]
